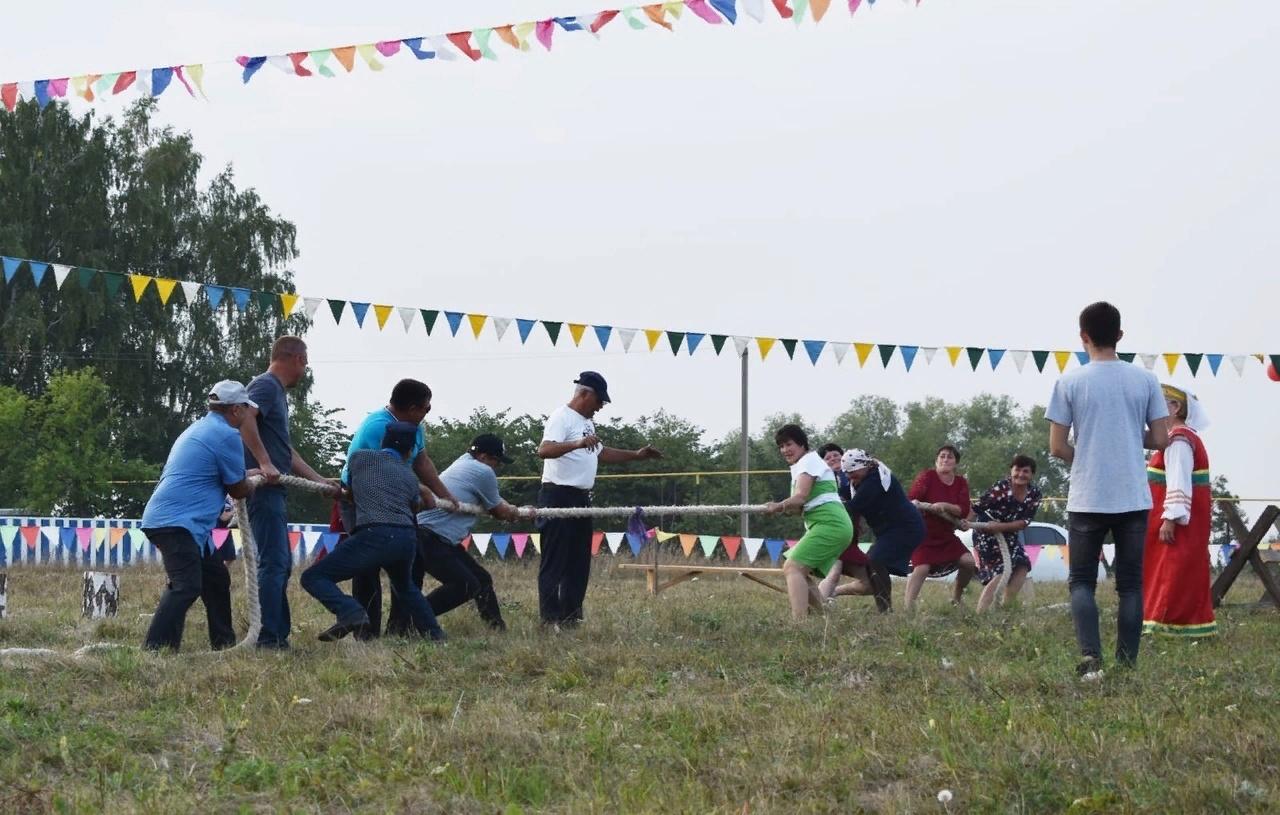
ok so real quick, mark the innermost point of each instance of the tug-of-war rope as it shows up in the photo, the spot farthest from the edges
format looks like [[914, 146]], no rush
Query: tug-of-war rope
[[249, 549]]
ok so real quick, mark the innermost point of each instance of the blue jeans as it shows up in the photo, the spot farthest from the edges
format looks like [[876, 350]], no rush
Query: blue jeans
[[1085, 534], [275, 562], [390, 548]]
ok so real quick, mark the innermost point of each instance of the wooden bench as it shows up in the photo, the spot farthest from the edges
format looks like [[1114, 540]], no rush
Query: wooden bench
[[683, 573]]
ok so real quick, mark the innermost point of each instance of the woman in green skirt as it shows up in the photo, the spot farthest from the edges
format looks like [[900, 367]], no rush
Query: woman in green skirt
[[827, 528]]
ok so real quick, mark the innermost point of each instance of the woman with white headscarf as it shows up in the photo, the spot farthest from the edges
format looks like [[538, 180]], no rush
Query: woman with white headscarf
[[1177, 599]]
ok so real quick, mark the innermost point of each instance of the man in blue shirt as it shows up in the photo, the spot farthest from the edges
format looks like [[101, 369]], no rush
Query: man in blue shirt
[[267, 446], [473, 479], [205, 464], [1115, 410], [410, 402]]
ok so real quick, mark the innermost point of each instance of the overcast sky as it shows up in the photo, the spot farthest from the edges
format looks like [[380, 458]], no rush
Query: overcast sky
[[963, 173]]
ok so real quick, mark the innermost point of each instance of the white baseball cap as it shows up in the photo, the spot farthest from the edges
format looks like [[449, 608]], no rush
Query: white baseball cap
[[230, 392]]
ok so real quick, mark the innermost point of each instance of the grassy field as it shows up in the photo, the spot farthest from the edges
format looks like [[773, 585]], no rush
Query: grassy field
[[704, 700]]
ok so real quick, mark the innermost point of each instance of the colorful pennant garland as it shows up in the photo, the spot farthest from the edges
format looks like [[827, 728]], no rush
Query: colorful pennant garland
[[239, 301], [476, 44]]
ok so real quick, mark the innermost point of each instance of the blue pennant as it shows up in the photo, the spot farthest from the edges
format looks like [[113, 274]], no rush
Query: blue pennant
[[814, 349], [568, 23], [455, 320], [160, 79], [359, 309], [1083, 356], [241, 296], [10, 267], [524, 326], [727, 8], [415, 45], [908, 354], [1214, 361], [774, 547], [37, 271], [42, 92], [214, 293], [602, 334], [500, 542], [636, 542], [995, 355], [691, 340], [67, 538], [251, 66]]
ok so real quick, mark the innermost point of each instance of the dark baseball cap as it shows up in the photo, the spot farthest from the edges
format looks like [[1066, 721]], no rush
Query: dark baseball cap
[[490, 445], [593, 380], [400, 436]]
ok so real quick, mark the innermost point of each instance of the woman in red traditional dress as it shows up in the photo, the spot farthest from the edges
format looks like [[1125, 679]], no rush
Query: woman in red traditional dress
[[1175, 573], [942, 552]]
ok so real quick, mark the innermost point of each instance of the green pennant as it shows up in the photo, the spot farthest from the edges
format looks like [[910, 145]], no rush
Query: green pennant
[[975, 356], [1127, 357], [1193, 362], [85, 276], [790, 345], [429, 317], [553, 330], [675, 338], [1041, 357], [336, 307], [266, 300], [113, 281], [717, 342], [886, 354]]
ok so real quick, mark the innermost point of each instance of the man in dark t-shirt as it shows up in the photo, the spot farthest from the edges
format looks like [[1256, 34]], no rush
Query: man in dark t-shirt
[[267, 447]]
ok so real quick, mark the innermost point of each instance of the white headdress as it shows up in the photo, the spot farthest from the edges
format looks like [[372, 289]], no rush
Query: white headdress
[[856, 459]]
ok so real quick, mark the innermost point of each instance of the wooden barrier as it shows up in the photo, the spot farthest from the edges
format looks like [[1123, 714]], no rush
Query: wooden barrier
[[101, 595], [1248, 553], [683, 573]]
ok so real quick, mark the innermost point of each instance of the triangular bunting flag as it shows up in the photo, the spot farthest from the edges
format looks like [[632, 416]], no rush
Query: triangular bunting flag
[[525, 327], [975, 356], [908, 355], [731, 545], [602, 335], [627, 335], [1171, 360], [652, 335], [481, 541], [241, 297], [774, 548], [1040, 357], [1237, 362], [994, 355], [477, 323], [1193, 362], [1148, 361], [708, 544], [692, 340], [840, 349], [717, 342], [381, 313], [636, 542], [576, 330], [520, 540], [335, 308], [113, 281], [60, 272], [454, 319], [814, 349], [500, 543], [553, 330], [675, 339], [429, 317], [500, 326], [1019, 359], [766, 345], [288, 302], [1062, 358], [37, 271], [407, 316], [790, 347], [740, 345], [1214, 361], [310, 305], [863, 350], [752, 545], [597, 538], [359, 310], [687, 542], [929, 352], [886, 354], [953, 352], [614, 540]]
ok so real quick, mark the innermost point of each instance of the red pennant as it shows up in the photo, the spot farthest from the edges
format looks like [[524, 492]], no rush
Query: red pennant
[[731, 546], [466, 542], [124, 80], [294, 539], [462, 39], [220, 536], [9, 93], [602, 20], [784, 10], [298, 68], [31, 534], [596, 539]]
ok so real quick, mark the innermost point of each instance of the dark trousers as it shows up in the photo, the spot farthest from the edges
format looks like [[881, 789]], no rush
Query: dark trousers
[[1085, 534], [461, 578], [275, 562], [191, 574], [565, 567], [388, 548]]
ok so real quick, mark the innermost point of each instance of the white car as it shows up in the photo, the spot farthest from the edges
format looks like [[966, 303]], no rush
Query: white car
[[1045, 569]]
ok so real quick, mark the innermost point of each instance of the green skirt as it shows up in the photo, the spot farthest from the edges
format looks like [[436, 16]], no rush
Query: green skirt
[[827, 533]]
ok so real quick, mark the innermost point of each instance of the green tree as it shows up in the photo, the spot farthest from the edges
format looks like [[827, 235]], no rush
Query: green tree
[[1219, 531]]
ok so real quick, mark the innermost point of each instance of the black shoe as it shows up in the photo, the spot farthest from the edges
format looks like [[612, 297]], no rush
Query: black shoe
[[497, 625], [1089, 669], [438, 635], [365, 632], [337, 631]]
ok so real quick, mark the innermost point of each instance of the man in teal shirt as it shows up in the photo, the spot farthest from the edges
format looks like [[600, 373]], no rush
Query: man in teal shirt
[[410, 402]]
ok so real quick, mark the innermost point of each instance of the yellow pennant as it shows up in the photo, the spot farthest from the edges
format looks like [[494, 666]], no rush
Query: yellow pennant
[[369, 56], [523, 30], [953, 351], [288, 302], [674, 9], [652, 335], [235, 539], [477, 323], [382, 313], [196, 72], [99, 536], [663, 537], [687, 542], [1171, 360], [139, 282], [1062, 358], [575, 331], [536, 539], [863, 350], [766, 345], [165, 287]]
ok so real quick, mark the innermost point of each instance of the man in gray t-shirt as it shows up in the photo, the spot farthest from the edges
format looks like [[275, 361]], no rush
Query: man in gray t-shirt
[[1112, 411]]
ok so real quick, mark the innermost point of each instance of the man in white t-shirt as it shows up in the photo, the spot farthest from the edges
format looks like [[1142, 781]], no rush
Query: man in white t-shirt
[[570, 451]]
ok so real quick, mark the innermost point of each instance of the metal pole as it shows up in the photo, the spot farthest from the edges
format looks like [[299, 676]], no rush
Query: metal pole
[[744, 523]]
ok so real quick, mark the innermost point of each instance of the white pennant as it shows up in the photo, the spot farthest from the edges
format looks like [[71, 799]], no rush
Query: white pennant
[[500, 326], [27, 90], [480, 540], [839, 349], [755, 8], [1019, 359], [311, 540], [407, 316], [143, 83], [189, 291], [752, 545], [741, 344], [282, 62], [626, 335], [442, 48], [60, 273], [309, 306], [928, 354], [614, 539], [1238, 360], [1109, 553], [1148, 360]]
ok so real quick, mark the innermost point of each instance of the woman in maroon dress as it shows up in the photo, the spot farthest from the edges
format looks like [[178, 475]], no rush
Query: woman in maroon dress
[[942, 552]]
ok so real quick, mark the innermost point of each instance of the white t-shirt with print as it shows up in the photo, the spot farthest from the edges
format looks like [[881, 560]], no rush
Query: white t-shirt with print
[[811, 464], [577, 468]]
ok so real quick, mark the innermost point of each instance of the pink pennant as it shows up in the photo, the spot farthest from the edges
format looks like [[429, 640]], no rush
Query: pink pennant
[[1033, 553], [700, 8], [790, 543], [388, 48], [466, 543], [220, 537], [84, 537], [58, 87], [543, 31], [177, 71], [521, 540], [853, 5]]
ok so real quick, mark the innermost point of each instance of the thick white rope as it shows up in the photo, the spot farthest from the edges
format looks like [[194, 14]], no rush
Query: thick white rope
[[980, 526]]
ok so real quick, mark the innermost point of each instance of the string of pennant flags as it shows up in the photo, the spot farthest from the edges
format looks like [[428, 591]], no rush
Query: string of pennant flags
[[475, 44], [241, 301], [83, 542]]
